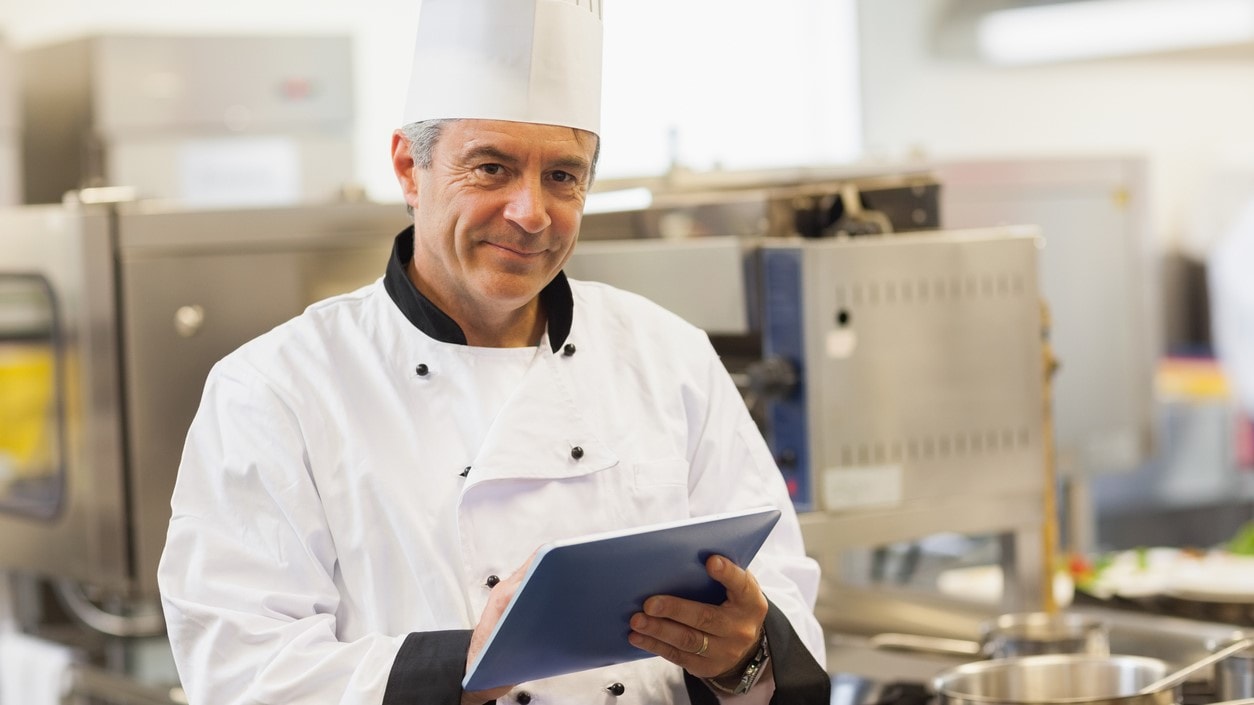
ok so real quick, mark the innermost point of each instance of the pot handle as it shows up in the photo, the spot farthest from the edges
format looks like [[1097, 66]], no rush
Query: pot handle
[[893, 641], [1174, 679]]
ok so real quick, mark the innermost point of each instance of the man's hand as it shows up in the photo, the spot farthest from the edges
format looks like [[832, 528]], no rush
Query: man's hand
[[498, 600], [705, 640]]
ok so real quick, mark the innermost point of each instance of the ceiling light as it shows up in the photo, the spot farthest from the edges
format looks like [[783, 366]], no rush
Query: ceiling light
[[1090, 29]]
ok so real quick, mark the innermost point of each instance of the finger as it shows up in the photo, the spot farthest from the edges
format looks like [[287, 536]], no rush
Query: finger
[[743, 592], [702, 666], [698, 616], [732, 576], [680, 636]]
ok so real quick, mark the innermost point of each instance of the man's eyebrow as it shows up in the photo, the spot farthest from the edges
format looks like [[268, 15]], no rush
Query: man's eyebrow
[[572, 164], [489, 152]]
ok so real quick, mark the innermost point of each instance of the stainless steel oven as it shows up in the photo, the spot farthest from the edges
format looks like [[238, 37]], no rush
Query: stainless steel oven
[[110, 318], [10, 132]]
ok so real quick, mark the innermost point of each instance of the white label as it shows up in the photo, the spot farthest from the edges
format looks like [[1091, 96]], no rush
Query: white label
[[841, 342], [244, 171], [862, 487]]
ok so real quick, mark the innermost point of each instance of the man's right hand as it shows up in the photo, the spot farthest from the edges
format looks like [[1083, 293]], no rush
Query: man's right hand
[[498, 600]]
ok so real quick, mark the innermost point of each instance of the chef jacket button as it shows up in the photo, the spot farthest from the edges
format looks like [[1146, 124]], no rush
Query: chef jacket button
[[492, 581], [421, 369], [465, 472], [569, 349], [523, 697], [616, 689], [576, 452]]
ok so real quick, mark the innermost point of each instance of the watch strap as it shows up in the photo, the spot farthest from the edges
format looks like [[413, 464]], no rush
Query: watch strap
[[748, 676]]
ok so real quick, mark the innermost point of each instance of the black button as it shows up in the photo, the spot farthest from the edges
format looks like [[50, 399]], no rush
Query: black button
[[616, 689], [421, 370], [576, 452], [465, 472], [492, 581], [568, 350], [523, 697]]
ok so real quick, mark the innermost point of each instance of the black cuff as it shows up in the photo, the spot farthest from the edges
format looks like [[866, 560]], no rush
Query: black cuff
[[429, 669], [799, 679]]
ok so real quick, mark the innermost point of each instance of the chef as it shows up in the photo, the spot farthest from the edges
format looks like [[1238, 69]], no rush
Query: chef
[[1232, 305], [362, 485]]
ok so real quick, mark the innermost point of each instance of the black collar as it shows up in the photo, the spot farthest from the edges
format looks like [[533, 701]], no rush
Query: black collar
[[559, 304]]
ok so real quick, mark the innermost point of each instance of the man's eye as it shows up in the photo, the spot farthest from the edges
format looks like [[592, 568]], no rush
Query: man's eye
[[563, 177], [491, 169]]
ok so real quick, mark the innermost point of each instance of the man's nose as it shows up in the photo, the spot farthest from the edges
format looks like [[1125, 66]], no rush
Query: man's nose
[[527, 207]]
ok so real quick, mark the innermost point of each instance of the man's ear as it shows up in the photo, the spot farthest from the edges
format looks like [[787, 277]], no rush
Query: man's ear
[[404, 167]]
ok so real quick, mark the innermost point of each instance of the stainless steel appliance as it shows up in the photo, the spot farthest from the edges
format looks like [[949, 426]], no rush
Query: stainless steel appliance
[[1097, 274], [204, 120], [110, 318], [10, 130], [907, 395]]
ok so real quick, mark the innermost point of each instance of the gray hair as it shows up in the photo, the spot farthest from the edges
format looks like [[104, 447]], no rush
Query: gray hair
[[422, 137]]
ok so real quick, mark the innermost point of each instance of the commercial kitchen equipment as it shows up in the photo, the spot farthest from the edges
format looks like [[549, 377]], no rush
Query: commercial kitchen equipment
[[1098, 272], [901, 379], [110, 318], [204, 120], [10, 130]]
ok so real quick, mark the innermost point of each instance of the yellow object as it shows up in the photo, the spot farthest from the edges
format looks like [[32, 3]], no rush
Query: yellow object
[[27, 389], [1190, 379]]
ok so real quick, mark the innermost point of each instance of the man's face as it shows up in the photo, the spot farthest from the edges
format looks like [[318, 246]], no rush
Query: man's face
[[497, 213]]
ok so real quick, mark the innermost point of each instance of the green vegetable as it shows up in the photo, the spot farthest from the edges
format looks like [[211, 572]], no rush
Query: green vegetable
[[1243, 543]]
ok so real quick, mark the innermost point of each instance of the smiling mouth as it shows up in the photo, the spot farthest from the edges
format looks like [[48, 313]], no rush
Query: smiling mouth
[[511, 250]]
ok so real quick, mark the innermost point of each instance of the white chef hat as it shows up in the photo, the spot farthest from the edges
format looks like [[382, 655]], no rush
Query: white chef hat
[[522, 60]]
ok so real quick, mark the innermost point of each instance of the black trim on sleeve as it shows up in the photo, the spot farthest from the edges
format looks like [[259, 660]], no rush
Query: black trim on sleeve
[[799, 679], [428, 669], [556, 297]]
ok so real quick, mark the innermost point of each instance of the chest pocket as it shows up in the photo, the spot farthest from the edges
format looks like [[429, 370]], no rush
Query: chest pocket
[[659, 490]]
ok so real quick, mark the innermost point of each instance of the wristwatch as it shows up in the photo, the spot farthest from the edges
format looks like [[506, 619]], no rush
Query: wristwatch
[[748, 677]]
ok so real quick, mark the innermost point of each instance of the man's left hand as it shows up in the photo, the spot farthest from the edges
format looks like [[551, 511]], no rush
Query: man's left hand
[[705, 640]]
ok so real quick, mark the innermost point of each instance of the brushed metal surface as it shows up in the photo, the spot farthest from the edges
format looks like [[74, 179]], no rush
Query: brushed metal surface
[[248, 271], [700, 279], [121, 274], [86, 540], [938, 372], [1098, 273], [1074, 679], [119, 109]]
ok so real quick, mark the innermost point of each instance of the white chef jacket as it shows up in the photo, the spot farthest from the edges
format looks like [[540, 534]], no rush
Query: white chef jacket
[[334, 529], [1232, 305]]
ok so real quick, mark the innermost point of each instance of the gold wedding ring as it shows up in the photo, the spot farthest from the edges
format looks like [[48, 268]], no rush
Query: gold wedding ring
[[705, 644]]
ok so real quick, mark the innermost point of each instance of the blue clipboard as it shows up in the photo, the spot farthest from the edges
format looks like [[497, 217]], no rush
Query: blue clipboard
[[573, 608]]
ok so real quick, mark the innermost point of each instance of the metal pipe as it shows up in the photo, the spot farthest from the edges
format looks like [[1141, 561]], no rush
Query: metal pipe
[[72, 597]]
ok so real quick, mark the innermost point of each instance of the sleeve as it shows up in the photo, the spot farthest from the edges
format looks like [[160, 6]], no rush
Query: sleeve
[[247, 575], [732, 468]]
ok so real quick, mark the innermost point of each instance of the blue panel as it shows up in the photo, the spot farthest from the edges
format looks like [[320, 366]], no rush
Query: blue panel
[[573, 609], [782, 328]]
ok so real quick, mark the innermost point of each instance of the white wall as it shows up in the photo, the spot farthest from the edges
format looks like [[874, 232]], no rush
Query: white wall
[[1191, 114], [740, 83]]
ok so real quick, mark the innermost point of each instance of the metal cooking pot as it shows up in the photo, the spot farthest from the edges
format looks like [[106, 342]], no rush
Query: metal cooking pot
[[1012, 635], [1038, 633], [1234, 676], [1056, 679]]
